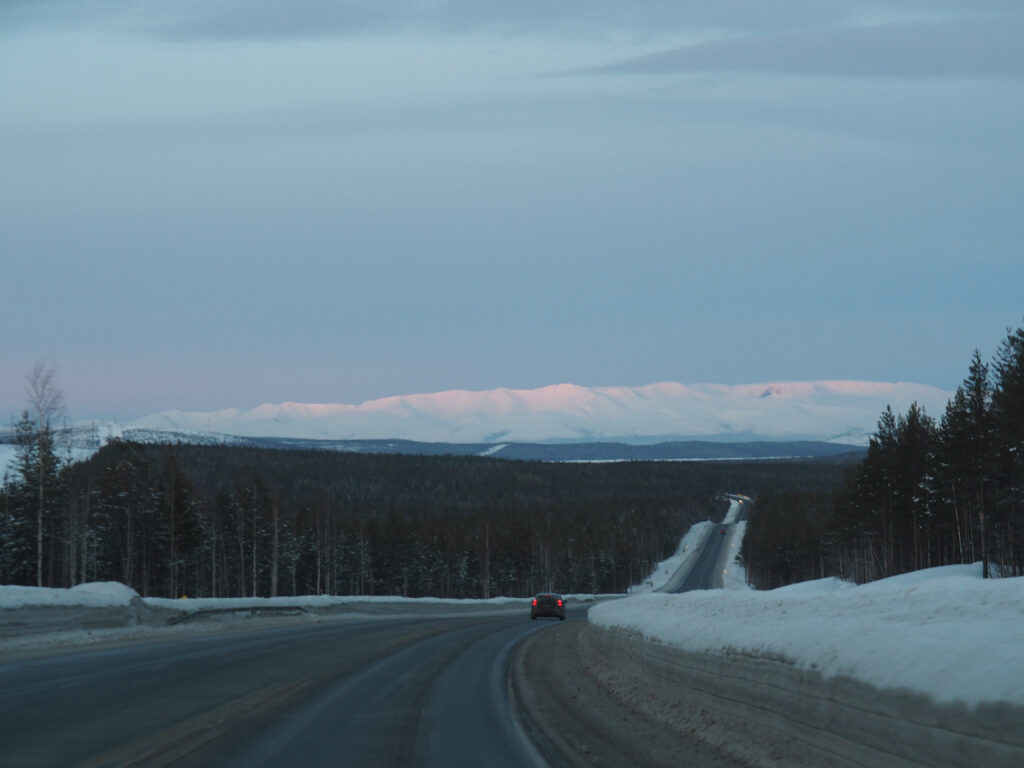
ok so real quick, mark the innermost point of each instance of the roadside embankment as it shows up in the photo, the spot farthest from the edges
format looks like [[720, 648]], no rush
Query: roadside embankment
[[919, 669], [768, 711]]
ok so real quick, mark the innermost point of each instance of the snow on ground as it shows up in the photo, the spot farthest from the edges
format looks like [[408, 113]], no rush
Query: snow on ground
[[945, 632], [102, 594], [192, 605], [734, 509], [112, 593], [24, 605], [7, 454]]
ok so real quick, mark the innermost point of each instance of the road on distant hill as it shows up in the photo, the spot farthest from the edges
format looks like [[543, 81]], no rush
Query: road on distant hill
[[578, 714], [706, 571]]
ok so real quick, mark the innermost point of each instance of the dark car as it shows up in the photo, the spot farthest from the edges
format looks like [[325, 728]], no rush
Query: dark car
[[548, 604]]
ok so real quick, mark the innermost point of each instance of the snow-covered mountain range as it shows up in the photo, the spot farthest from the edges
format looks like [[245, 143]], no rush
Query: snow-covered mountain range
[[836, 411]]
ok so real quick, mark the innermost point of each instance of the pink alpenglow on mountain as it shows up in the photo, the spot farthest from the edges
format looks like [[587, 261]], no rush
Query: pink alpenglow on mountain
[[838, 411]]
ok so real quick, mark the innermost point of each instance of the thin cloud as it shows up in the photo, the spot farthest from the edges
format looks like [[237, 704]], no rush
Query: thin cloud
[[202, 20], [970, 49]]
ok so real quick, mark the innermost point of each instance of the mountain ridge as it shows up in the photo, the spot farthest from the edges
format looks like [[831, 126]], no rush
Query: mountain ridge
[[830, 411]]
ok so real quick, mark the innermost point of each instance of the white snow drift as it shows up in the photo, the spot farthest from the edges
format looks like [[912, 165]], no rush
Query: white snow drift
[[944, 632]]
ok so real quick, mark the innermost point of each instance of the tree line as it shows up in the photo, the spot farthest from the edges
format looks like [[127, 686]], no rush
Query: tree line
[[226, 521], [927, 493]]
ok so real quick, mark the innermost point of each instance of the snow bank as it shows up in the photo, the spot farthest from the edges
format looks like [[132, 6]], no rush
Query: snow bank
[[36, 617], [32, 612], [944, 632], [96, 595], [312, 602]]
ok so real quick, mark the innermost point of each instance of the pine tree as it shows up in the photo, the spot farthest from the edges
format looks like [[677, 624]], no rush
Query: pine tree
[[912, 458], [46, 402], [36, 491], [876, 492], [1008, 439], [16, 513]]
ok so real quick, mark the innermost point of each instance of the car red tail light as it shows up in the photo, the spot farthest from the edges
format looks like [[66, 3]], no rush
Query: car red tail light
[[559, 603], [535, 601]]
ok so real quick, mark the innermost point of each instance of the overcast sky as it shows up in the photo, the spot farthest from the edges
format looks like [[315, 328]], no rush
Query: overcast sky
[[208, 205]]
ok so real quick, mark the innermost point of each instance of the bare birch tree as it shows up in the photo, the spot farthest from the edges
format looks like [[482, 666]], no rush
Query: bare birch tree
[[46, 403]]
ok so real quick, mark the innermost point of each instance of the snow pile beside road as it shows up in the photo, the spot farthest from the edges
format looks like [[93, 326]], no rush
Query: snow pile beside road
[[113, 593], [38, 611], [944, 632], [312, 602], [100, 594], [88, 613]]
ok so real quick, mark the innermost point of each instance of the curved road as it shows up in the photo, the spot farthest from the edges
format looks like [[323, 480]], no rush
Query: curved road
[[430, 690], [416, 692]]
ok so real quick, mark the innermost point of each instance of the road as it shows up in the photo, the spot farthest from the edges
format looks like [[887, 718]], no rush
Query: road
[[427, 690], [411, 692], [706, 570], [590, 714]]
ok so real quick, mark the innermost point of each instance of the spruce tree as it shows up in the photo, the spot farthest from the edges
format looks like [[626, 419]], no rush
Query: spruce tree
[[1008, 439], [966, 455], [37, 491]]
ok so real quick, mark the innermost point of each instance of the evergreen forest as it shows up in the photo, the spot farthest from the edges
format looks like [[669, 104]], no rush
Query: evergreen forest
[[227, 521], [928, 493]]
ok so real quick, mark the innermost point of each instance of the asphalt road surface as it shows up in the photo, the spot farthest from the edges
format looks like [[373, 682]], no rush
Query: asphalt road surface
[[381, 692], [705, 569], [428, 690]]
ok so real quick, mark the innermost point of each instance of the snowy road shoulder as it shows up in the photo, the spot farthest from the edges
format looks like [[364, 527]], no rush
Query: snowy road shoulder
[[944, 632], [40, 618]]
